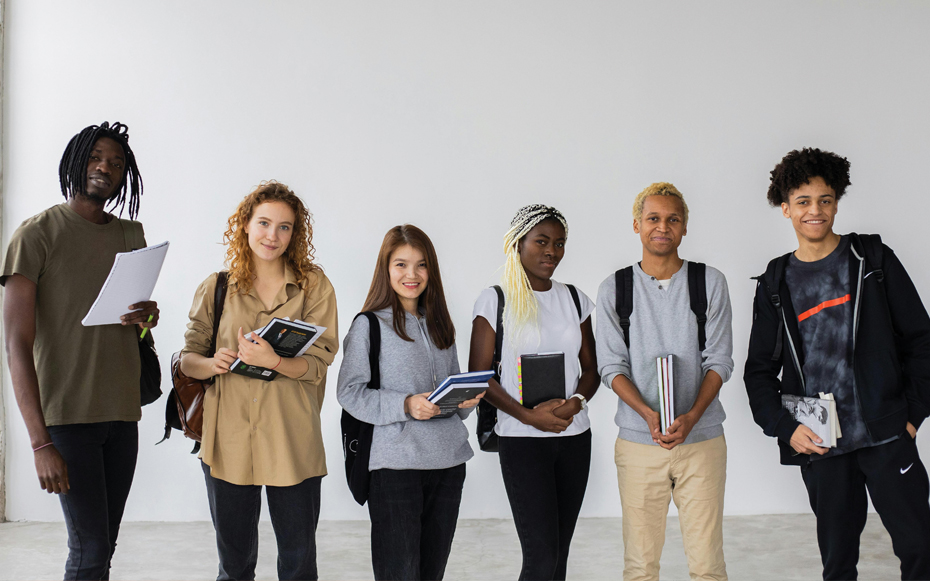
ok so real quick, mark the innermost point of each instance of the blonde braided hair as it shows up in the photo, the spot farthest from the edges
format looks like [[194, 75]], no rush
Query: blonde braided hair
[[520, 307]]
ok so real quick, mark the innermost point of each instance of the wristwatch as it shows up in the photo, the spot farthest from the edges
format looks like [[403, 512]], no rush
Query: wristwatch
[[582, 399]]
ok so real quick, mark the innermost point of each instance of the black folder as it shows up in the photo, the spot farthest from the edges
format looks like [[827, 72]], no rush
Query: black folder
[[543, 378]]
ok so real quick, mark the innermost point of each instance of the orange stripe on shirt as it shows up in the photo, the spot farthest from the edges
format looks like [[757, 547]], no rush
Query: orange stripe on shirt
[[831, 303]]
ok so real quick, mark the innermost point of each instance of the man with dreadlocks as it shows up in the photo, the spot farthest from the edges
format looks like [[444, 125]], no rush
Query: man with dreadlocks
[[662, 306], [78, 387]]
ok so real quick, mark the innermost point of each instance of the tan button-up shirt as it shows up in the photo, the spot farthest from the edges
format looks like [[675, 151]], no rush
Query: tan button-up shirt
[[265, 432]]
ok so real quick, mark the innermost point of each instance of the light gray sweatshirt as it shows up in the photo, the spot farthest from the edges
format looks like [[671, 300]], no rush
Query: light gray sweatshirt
[[662, 324], [400, 442]]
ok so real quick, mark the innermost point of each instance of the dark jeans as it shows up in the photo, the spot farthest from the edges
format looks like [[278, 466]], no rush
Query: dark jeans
[[295, 512], [101, 460], [897, 482], [545, 480], [413, 515]]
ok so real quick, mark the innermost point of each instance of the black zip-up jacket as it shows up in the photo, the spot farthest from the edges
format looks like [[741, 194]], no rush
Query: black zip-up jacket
[[891, 357]]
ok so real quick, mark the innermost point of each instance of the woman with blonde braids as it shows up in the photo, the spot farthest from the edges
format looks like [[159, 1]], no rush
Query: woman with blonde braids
[[264, 432], [545, 451]]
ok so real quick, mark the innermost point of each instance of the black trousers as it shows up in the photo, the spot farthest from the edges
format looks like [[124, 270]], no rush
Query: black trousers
[[101, 460], [545, 479], [897, 483], [295, 513], [413, 515]]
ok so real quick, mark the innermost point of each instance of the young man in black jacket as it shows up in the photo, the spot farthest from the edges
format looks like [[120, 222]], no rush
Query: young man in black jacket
[[841, 316]]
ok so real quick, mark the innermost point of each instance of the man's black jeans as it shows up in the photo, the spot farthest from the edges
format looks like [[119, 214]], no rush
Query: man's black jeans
[[545, 479], [897, 482], [295, 513], [101, 460], [413, 515]]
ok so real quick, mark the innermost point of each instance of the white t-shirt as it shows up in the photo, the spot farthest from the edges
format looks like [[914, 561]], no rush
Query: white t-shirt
[[559, 330]]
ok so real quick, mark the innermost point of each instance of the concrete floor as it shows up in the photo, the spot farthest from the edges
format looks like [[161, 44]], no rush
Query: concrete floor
[[773, 547]]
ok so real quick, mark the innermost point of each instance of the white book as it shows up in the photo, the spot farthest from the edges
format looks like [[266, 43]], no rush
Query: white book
[[671, 389], [818, 414], [660, 374]]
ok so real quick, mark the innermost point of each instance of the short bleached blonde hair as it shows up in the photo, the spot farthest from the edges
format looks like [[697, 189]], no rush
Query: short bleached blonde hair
[[658, 189]]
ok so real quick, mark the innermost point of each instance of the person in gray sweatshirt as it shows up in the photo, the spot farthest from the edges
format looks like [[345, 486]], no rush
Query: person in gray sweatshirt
[[417, 463], [687, 460]]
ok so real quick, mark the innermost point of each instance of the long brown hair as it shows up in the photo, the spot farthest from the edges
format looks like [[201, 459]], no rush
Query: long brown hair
[[299, 254], [381, 295]]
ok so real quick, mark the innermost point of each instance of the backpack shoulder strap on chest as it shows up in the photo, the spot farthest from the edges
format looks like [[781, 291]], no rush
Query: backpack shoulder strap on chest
[[871, 244], [697, 290], [499, 332], [575, 299], [623, 279]]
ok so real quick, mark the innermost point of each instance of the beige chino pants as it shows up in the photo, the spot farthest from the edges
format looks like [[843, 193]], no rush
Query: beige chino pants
[[694, 475]]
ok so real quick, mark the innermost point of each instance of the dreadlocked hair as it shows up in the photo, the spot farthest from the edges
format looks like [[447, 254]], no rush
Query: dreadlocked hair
[[299, 254], [521, 307], [72, 170]]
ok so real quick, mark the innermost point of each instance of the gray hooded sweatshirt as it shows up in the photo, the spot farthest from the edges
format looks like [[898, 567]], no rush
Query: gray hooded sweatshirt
[[400, 442]]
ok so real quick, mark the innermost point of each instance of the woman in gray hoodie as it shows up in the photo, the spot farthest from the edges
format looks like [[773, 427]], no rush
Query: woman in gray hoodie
[[417, 463]]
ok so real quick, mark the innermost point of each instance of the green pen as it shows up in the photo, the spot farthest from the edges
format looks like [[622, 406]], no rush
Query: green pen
[[145, 330]]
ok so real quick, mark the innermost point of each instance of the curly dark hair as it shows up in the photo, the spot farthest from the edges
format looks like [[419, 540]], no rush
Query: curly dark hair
[[798, 167]]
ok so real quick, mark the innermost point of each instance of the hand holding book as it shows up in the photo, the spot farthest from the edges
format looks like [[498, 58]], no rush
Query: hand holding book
[[543, 419], [419, 407], [257, 351], [677, 432], [805, 441]]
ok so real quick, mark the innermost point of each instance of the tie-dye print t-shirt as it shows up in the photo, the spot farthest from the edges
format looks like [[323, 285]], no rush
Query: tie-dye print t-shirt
[[820, 295]]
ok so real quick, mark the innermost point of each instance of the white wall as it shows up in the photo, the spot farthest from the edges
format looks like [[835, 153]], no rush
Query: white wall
[[451, 116]]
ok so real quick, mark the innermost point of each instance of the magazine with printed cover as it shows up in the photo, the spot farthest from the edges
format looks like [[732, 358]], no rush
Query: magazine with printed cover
[[817, 413], [287, 338]]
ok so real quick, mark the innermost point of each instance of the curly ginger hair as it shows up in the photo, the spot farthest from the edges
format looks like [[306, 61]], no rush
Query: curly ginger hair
[[299, 254]]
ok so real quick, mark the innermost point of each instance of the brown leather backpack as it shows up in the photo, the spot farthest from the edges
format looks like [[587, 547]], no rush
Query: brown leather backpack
[[184, 409]]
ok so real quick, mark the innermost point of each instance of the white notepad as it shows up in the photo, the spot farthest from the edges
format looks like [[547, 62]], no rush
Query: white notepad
[[131, 280]]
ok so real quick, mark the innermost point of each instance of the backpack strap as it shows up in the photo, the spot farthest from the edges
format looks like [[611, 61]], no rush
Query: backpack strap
[[575, 299], [872, 245], [623, 279], [219, 300], [499, 334], [374, 348], [697, 289], [771, 280]]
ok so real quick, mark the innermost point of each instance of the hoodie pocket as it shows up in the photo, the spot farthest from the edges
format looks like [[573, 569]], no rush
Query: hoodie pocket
[[880, 387]]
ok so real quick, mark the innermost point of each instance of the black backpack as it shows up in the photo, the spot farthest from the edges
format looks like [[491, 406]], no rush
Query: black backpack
[[356, 434], [697, 289], [487, 413]]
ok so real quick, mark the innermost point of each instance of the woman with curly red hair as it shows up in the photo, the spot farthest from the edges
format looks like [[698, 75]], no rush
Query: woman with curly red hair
[[264, 432]]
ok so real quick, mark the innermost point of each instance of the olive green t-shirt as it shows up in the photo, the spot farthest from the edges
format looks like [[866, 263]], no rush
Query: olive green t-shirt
[[86, 374]]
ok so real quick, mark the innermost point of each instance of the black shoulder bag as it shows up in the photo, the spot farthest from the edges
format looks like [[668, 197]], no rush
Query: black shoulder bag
[[150, 377]]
